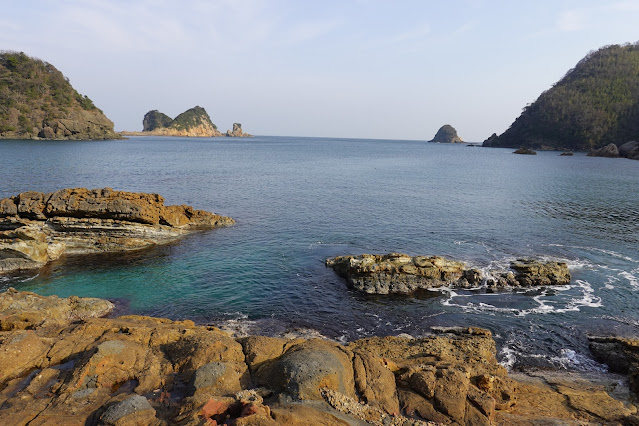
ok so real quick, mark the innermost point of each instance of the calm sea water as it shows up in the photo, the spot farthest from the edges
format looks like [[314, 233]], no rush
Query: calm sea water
[[298, 201]]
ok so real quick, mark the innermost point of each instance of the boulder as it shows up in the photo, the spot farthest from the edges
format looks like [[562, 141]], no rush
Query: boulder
[[566, 154], [629, 150], [610, 151], [135, 410]]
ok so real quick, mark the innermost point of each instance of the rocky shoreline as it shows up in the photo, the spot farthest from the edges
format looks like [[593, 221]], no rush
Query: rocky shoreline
[[62, 363], [36, 227], [403, 274]]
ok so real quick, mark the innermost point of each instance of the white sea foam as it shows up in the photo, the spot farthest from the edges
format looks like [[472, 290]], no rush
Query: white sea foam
[[604, 251], [549, 300], [632, 279]]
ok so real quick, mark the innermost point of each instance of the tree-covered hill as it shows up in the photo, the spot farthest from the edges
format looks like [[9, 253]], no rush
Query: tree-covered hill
[[36, 100], [594, 104]]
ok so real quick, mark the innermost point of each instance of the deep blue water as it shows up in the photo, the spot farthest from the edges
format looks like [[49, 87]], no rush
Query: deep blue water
[[298, 201]]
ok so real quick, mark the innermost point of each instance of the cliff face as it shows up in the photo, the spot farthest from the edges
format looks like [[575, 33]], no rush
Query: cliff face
[[447, 134], [37, 101], [192, 122], [593, 105], [237, 132]]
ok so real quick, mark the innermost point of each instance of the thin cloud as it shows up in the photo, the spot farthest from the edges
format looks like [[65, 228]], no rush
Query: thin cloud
[[571, 20]]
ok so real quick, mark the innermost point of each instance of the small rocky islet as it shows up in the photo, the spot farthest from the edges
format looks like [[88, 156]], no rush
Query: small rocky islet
[[398, 273], [194, 122]]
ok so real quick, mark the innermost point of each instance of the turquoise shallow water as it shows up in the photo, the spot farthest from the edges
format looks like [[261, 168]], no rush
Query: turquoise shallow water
[[298, 201]]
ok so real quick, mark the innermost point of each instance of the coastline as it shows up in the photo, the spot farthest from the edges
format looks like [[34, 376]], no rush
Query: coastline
[[66, 362]]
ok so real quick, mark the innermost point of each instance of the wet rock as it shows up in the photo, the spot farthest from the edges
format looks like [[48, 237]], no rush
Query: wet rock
[[36, 228], [566, 154], [530, 272], [610, 151], [401, 273]]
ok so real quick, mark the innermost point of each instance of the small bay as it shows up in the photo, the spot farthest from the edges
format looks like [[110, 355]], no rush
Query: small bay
[[298, 201]]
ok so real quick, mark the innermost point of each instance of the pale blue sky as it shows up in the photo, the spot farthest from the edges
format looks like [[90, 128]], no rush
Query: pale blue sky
[[348, 68]]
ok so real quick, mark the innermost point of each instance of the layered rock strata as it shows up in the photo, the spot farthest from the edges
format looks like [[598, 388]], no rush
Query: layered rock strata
[[62, 365], [401, 273], [37, 227]]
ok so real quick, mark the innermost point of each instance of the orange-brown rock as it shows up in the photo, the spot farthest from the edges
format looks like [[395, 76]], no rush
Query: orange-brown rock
[[36, 227], [68, 367]]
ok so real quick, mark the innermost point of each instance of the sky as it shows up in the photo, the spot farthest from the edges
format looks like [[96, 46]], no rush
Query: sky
[[328, 68]]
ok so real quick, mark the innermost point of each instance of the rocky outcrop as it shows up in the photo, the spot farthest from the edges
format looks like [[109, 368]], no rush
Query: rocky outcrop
[[36, 227], [629, 150], [40, 103], [620, 354], [566, 154], [74, 368], [525, 151], [194, 122], [609, 151], [446, 134], [401, 273], [155, 120], [237, 132]]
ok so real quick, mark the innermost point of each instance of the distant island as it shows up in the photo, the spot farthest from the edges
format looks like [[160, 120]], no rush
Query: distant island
[[595, 104], [446, 134], [194, 122], [38, 102]]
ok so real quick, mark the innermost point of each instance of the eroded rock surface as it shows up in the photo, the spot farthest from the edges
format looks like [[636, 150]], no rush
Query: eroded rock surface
[[402, 273], [237, 132], [69, 367], [37, 227]]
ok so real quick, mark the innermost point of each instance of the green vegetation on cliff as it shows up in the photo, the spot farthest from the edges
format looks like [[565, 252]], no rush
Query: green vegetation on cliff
[[192, 122], [155, 120], [594, 104], [37, 100], [193, 117]]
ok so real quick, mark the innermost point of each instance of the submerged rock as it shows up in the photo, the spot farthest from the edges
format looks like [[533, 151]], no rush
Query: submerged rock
[[36, 227], [566, 154], [401, 273], [143, 370]]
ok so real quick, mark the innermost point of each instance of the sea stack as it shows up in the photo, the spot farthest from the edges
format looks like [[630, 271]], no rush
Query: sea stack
[[447, 134], [40, 103], [237, 132]]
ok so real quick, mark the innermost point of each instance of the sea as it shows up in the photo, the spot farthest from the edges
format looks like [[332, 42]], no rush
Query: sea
[[298, 201]]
